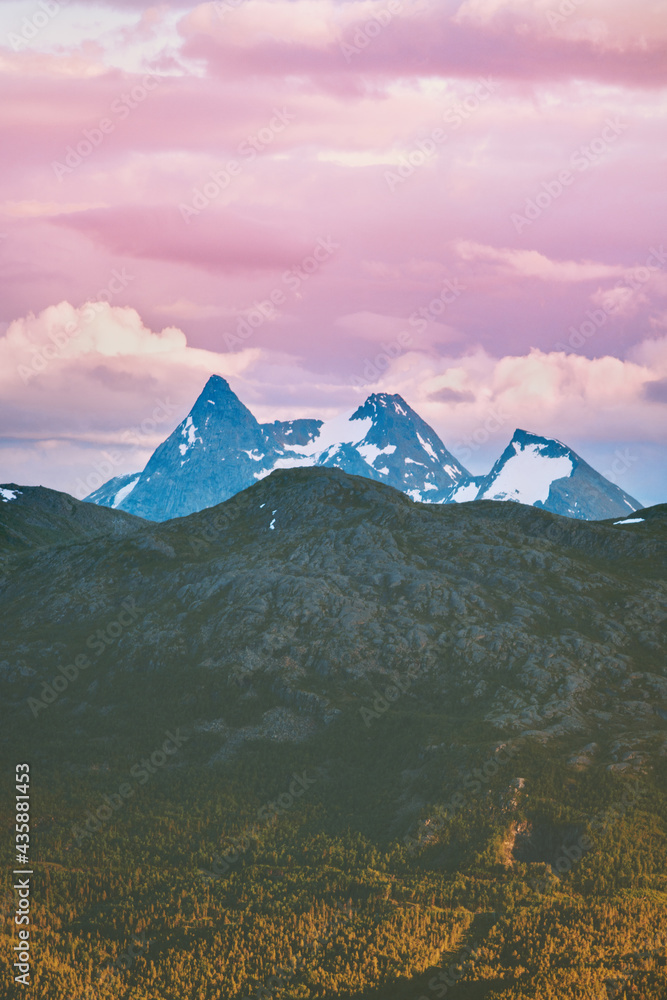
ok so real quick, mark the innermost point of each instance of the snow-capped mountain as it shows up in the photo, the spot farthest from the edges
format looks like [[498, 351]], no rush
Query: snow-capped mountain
[[384, 439], [220, 449], [543, 472], [114, 491]]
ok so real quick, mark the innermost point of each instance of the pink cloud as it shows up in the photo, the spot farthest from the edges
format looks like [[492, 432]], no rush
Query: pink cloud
[[98, 375], [218, 241], [354, 120], [425, 43], [531, 264]]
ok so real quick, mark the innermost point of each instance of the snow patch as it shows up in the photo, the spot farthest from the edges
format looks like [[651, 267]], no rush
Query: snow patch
[[631, 520], [190, 431], [340, 430], [7, 495], [465, 493], [124, 491], [369, 452], [293, 463], [428, 448], [527, 476]]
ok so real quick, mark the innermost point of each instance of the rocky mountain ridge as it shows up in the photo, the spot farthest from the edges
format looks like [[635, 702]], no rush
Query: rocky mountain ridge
[[220, 449], [313, 588]]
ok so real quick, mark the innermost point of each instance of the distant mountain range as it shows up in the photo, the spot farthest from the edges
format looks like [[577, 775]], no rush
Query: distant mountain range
[[220, 449]]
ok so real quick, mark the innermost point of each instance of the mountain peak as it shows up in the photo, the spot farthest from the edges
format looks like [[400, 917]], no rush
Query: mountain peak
[[220, 449], [544, 472], [216, 387], [387, 401], [524, 437], [218, 404]]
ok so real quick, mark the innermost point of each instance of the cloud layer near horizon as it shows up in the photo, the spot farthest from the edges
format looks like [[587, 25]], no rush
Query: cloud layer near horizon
[[487, 175], [133, 385]]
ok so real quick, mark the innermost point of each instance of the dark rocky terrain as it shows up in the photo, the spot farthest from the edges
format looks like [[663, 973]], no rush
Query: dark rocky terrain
[[314, 587], [408, 736]]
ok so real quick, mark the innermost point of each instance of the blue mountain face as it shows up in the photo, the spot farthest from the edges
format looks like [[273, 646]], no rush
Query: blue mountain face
[[221, 449], [546, 473]]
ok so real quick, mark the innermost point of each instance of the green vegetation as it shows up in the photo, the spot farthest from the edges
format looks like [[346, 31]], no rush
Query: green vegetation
[[327, 900]]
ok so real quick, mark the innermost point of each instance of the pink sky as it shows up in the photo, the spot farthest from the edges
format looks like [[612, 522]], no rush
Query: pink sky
[[486, 175]]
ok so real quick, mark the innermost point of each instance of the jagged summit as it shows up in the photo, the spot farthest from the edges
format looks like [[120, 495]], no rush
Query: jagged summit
[[522, 435], [220, 449], [544, 472]]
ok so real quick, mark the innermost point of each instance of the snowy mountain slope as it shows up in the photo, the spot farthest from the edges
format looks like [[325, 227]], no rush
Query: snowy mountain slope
[[543, 472], [216, 451], [220, 449], [384, 439], [466, 490], [400, 449], [115, 490]]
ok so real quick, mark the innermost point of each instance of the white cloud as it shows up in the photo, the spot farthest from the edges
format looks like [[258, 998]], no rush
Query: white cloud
[[64, 337], [532, 264], [608, 24], [113, 371], [621, 300]]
